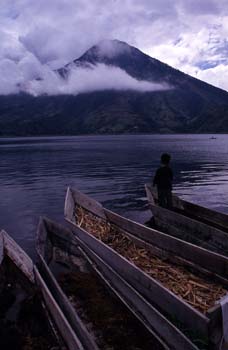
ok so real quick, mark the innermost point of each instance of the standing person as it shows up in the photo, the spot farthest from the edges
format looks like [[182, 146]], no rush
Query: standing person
[[163, 180]]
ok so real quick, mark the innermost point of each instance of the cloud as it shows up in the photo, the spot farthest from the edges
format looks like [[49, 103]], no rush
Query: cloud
[[10, 47], [10, 77], [218, 76], [198, 55], [29, 74], [191, 35], [93, 78], [198, 8], [112, 49]]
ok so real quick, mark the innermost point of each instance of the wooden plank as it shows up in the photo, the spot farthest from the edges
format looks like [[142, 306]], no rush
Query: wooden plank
[[88, 203], [201, 257], [216, 326], [217, 263], [28, 272], [62, 257], [201, 213], [69, 251], [56, 233], [1, 247], [151, 289], [174, 231], [210, 264], [149, 195], [67, 308], [175, 259], [212, 216], [207, 234], [152, 319], [18, 256], [67, 333], [53, 327], [144, 311], [69, 206], [43, 243]]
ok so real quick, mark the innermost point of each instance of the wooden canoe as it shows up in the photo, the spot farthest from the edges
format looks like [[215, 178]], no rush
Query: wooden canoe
[[206, 215], [178, 252], [51, 237], [29, 316], [196, 224]]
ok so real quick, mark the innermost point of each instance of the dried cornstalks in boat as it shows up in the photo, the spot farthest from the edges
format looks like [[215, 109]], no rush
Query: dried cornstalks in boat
[[197, 291]]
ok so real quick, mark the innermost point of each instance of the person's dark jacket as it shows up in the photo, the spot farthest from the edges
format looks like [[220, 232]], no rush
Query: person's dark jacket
[[163, 178]]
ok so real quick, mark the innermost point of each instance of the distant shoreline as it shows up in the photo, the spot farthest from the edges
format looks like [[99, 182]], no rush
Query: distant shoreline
[[121, 134]]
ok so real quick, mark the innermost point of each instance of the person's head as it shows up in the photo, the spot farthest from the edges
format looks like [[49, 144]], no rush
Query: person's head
[[165, 158]]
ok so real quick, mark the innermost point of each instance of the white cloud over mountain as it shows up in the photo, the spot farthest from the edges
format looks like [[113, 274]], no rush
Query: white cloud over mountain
[[31, 77], [203, 55], [37, 36]]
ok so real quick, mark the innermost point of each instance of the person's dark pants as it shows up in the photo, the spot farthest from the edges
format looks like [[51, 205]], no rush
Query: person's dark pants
[[165, 198]]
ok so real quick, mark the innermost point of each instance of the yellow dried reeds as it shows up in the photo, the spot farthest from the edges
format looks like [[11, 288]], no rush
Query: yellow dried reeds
[[196, 290]]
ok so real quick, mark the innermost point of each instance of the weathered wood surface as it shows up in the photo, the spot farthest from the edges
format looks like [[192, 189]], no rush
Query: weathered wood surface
[[60, 320], [207, 262], [152, 319], [74, 320], [196, 228], [212, 265], [180, 225], [86, 202], [144, 311], [203, 258], [28, 270], [69, 204], [174, 247], [151, 289], [211, 217], [55, 235], [18, 256], [43, 243], [46, 234]]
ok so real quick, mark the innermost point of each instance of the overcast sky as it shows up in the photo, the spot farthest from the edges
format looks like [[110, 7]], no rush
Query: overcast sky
[[191, 35]]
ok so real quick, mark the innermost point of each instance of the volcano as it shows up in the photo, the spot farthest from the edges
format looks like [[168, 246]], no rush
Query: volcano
[[187, 106]]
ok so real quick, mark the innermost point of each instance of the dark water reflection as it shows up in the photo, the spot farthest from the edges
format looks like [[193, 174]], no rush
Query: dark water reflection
[[113, 169]]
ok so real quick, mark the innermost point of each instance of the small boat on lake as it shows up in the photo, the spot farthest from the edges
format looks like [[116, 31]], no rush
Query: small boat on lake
[[163, 270], [197, 224], [29, 317]]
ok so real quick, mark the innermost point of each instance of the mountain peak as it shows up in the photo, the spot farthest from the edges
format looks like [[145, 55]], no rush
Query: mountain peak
[[126, 57], [136, 64], [106, 49], [109, 52], [190, 106], [112, 48]]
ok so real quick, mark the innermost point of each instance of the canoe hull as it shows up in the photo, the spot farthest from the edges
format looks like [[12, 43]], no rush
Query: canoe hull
[[144, 285], [191, 229], [150, 317], [25, 272]]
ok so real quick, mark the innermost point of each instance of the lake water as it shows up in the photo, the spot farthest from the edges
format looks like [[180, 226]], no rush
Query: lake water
[[35, 173]]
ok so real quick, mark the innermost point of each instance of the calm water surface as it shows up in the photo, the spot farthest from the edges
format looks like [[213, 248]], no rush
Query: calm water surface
[[35, 173]]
